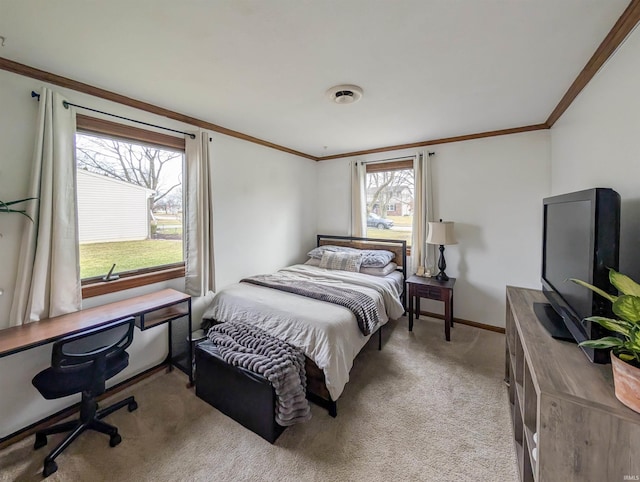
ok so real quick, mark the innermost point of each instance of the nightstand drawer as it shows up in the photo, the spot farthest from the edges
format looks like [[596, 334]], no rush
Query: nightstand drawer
[[431, 292]]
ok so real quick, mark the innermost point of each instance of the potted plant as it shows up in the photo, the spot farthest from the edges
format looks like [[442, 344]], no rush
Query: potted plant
[[625, 347], [4, 207]]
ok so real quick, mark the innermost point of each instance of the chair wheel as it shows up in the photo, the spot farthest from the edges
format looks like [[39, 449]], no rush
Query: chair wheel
[[115, 439], [133, 406], [49, 468], [41, 441]]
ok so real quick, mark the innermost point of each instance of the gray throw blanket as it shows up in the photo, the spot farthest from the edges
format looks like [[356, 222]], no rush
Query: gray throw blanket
[[362, 306], [254, 349]]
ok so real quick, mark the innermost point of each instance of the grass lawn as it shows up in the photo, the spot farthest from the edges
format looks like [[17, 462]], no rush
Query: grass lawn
[[168, 229], [96, 258], [406, 221], [389, 234], [168, 220]]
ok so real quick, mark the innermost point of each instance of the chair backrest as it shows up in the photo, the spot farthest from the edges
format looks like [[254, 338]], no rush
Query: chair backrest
[[103, 342]]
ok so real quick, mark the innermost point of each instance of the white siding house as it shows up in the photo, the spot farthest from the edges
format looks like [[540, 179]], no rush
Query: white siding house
[[111, 210]]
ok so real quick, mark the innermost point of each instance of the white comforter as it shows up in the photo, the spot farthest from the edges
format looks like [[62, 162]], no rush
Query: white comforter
[[328, 333]]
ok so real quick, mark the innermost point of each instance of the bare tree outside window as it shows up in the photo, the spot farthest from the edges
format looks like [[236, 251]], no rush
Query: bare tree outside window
[[387, 188], [150, 167], [390, 204]]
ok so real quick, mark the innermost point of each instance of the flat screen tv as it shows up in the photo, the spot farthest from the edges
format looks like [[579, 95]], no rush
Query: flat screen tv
[[581, 237]]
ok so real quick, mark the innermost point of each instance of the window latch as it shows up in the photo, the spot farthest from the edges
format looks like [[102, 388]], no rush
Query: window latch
[[110, 276]]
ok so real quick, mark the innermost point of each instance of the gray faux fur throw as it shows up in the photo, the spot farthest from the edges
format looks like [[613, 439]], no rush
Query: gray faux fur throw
[[254, 349]]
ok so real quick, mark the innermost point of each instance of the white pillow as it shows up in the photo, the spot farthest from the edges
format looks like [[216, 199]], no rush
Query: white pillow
[[341, 261], [384, 271], [320, 250], [371, 258]]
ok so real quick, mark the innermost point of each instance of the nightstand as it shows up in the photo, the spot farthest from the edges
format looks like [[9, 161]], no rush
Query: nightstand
[[432, 289]]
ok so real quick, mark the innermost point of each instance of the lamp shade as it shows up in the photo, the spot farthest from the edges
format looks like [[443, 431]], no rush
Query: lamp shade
[[441, 233]]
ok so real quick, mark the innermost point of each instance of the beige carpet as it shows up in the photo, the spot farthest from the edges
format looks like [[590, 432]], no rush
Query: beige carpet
[[421, 409]]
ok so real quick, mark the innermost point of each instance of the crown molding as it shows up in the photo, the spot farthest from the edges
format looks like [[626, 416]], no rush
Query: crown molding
[[444, 140], [27, 71], [618, 33]]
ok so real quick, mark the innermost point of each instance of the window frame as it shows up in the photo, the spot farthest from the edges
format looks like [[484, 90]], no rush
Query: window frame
[[95, 286], [386, 166]]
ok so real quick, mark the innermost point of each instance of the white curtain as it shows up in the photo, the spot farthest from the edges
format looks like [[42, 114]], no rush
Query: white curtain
[[200, 274], [48, 280], [358, 199], [422, 254]]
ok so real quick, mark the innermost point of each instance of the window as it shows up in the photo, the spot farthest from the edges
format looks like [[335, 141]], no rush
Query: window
[[130, 202], [389, 189]]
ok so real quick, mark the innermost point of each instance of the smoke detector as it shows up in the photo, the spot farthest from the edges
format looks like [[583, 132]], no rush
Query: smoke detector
[[344, 94]]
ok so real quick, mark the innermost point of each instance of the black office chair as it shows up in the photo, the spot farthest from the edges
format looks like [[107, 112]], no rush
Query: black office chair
[[82, 363]]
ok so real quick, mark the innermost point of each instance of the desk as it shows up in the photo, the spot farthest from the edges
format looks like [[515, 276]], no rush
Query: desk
[[153, 309], [435, 290]]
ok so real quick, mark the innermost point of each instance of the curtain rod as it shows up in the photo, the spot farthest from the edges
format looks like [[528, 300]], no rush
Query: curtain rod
[[395, 158], [382, 161], [67, 104]]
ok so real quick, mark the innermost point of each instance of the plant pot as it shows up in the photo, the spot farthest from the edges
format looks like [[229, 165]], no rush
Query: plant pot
[[626, 379]]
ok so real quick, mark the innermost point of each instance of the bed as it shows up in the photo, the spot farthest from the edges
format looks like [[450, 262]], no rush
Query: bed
[[328, 333]]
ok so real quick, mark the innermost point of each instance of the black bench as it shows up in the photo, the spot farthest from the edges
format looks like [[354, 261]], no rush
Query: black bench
[[246, 397]]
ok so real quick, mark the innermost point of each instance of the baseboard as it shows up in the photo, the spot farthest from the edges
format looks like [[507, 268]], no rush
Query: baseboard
[[475, 324], [67, 412]]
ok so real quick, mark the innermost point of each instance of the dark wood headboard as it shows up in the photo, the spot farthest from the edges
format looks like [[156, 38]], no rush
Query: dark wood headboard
[[396, 246]]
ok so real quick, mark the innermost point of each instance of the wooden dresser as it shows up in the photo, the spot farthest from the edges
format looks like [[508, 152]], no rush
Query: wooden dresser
[[565, 403]]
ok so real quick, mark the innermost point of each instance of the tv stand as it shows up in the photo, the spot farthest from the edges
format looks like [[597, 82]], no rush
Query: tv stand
[[567, 423], [552, 322]]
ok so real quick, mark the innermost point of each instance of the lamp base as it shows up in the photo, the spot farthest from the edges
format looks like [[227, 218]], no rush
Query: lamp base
[[442, 265], [441, 276]]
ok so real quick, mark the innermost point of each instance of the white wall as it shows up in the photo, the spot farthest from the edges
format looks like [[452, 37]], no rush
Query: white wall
[[264, 209], [264, 218], [492, 189], [596, 143]]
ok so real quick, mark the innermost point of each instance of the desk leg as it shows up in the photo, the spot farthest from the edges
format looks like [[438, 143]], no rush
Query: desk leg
[[170, 355], [447, 317], [190, 350], [182, 357]]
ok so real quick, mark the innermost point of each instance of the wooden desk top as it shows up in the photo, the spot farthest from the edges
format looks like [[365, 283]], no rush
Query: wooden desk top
[[19, 338]]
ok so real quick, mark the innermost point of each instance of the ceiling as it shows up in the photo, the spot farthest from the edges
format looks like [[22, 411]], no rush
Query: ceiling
[[429, 69]]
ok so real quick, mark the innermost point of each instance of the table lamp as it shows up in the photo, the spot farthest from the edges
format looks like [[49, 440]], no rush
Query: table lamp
[[441, 233]]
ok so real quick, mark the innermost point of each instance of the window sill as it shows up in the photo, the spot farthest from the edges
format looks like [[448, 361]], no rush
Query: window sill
[[97, 288]]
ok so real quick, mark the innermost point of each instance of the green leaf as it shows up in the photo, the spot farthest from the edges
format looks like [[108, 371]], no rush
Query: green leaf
[[4, 207], [627, 307], [623, 283], [633, 340], [606, 342], [602, 293], [626, 357], [24, 213], [9, 203], [619, 326]]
